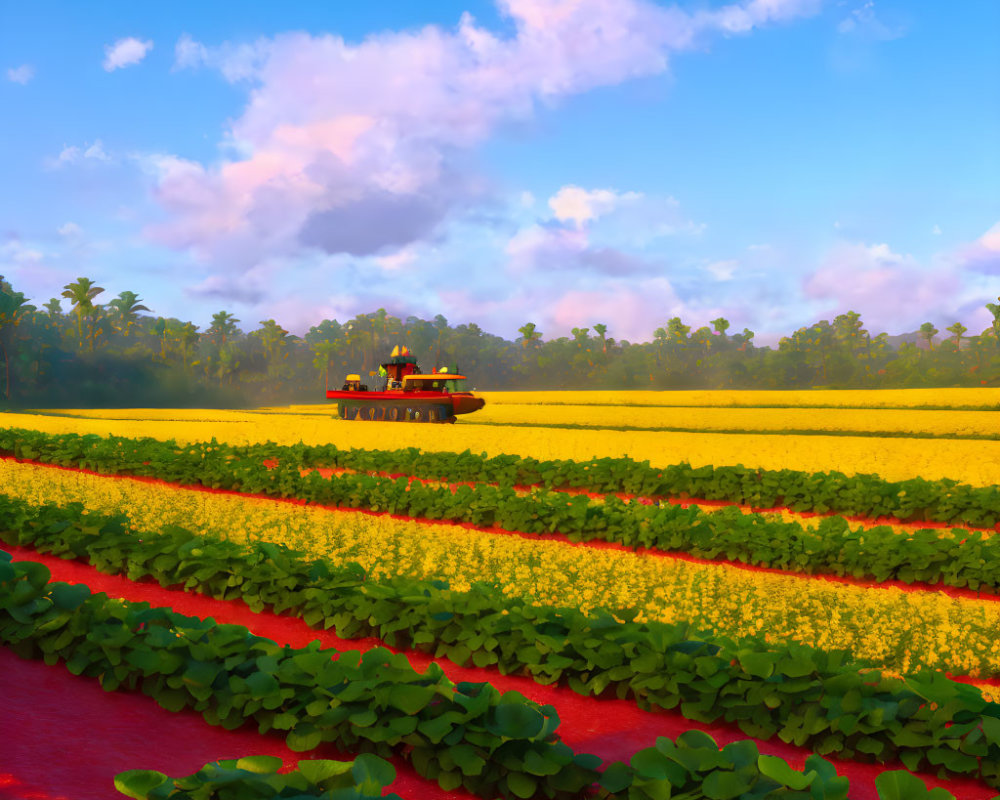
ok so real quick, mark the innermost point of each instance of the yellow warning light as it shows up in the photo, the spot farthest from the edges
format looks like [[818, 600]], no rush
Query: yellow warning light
[[400, 350]]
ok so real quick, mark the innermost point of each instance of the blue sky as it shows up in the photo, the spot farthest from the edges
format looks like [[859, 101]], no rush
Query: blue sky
[[565, 162]]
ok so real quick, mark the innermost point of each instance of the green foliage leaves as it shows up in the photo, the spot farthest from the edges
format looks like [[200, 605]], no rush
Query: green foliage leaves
[[804, 696], [372, 701], [957, 558], [257, 777], [901, 785]]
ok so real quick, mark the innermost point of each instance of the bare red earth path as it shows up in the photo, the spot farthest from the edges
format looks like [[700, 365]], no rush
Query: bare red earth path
[[64, 738], [610, 728]]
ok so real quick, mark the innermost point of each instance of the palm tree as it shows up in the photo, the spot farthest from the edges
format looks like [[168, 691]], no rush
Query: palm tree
[[161, 331], [601, 330], [958, 329], [273, 338], [228, 363], [186, 336], [95, 324], [126, 308], [721, 325], [530, 336], [13, 308], [678, 331], [994, 309], [322, 350], [927, 333], [82, 292], [223, 327]]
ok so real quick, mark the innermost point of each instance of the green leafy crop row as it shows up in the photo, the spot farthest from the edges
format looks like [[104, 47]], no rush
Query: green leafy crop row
[[257, 778], [865, 495], [465, 734], [800, 694], [694, 761], [957, 558]]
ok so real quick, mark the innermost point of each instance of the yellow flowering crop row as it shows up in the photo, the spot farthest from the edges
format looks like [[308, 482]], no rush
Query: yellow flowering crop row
[[976, 462], [940, 423], [900, 630], [858, 398]]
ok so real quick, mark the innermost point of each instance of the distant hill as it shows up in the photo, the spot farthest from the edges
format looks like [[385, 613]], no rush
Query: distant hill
[[915, 338], [911, 338]]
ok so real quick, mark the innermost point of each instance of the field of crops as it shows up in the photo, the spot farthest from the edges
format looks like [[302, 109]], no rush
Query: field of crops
[[645, 595]]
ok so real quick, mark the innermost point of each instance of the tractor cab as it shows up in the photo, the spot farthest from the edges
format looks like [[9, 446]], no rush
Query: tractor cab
[[436, 382], [352, 383]]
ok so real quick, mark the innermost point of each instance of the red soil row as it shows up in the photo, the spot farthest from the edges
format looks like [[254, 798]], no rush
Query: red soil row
[[596, 544], [683, 501], [96, 734]]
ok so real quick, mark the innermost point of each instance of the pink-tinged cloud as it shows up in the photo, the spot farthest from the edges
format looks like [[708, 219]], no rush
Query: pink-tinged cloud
[[125, 52], [889, 290], [983, 255], [572, 203], [631, 309], [541, 249], [357, 148]]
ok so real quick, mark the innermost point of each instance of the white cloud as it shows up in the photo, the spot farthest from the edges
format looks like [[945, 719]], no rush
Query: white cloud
[[189, 53], [96, 152], [236, 62], [70, 230], [397, 260], [351, 148], [744, 17], [527, 199], [991, 239], [722, 270], [71, 154], [571, 203], [862, 21], [21, 74], [982, 255], [17, 253], [887, 288], [125, 52]]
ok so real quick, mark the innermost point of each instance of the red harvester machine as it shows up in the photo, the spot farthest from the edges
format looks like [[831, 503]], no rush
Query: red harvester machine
[[408, 396]]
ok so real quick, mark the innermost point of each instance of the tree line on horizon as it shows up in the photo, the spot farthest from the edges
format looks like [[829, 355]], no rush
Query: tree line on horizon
[[110, 354]]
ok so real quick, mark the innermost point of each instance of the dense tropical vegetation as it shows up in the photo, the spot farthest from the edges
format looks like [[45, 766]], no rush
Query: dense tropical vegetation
[[95, 353]]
